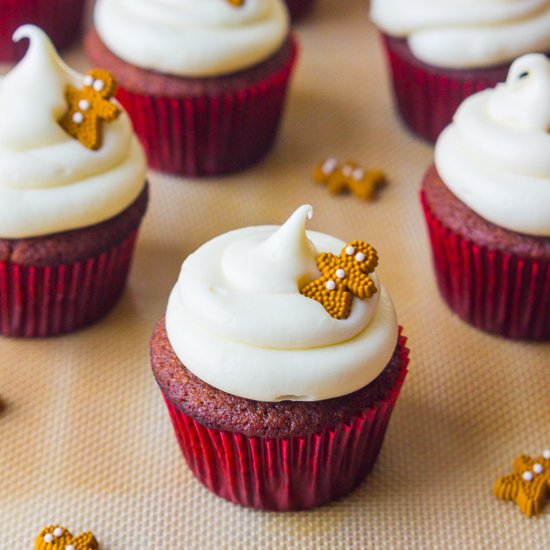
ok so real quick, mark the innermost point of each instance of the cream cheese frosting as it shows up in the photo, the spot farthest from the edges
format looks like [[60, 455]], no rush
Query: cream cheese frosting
[[237, 320], [193, 38], [464, 34], [495, 156], [50, 182]]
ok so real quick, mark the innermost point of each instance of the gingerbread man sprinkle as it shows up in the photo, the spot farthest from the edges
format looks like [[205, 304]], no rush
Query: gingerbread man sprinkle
[[89, 107], [56, 537], [343, 277], [349, 177], [529, 485]]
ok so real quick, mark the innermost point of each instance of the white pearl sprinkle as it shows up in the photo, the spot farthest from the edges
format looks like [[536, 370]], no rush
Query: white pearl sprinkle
[[347, 170], [88, 80], [83, 104], [58, 532], [350, 250], [360, 257], [537, 468], [48, 537], [358, 174], [340, 273], [546, 454], [329, 165], [78, 117], [99, 85], [69, 547], [331, 285], [527, 476]]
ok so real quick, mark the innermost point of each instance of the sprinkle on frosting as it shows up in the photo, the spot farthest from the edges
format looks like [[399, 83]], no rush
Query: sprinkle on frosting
[[349, 177], [343, 277], [56, 537], [529, 485], [237, 3], [89, 107]]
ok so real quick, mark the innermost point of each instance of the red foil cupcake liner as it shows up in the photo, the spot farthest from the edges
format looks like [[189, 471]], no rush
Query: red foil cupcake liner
[[427, 97], [210, 135], [47, 301], [287, 473], [490, 289], [60, 19], [298, 9]]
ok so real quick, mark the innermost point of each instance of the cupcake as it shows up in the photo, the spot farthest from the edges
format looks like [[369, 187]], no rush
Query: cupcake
[[60, 19], [72, 194], [298, 9], [280, 360], [440, 53], [203, 81], [487, 205]]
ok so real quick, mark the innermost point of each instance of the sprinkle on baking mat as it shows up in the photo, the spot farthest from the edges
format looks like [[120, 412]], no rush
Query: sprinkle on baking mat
[[349, 177], [90, 107], [529, 485], [56, 537], [343, 277]]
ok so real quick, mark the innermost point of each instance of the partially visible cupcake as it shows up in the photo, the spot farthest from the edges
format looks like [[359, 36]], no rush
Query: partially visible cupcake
[[440, 53], [280, 360], [60, 19], [203, 81], [487, 205], [299, 9], [70, 203]]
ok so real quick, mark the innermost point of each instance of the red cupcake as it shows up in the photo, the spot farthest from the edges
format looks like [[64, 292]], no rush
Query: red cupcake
[[440, 54], [280, 365], [487, 206], [204, 83], [299, 9], [60, 19], [72, 194]]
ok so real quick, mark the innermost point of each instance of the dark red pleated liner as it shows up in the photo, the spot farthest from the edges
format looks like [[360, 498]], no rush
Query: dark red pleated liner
[[427, 97], [210, 135], [298, 9], [490, 289], [47, 301], [60, 19], [287, 473]]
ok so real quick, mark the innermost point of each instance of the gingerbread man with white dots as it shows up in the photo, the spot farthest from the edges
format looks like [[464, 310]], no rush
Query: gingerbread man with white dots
[[56, 537], [90, 107]]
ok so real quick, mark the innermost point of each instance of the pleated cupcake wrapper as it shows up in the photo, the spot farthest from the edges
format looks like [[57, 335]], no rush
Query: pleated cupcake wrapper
[[298, 9], [209, 135], [61, 20], [47, 301], [497, 292], [287, 473], [427, 100]]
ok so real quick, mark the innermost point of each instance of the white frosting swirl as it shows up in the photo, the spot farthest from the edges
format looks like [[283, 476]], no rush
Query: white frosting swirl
[[195, 38], [50, 182], [495, 156], [466, 33], [237, 320]]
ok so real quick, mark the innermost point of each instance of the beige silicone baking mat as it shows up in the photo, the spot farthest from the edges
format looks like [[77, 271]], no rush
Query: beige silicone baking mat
[[85, 440]]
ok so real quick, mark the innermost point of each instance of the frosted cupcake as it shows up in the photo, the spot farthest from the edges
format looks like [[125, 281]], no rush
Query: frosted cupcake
[[203, 80], [487, 205], [442, 52], [280, 360], [70, 203], [60, 19]]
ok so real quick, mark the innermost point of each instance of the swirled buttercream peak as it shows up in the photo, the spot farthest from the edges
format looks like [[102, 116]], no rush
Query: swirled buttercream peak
[[50, 182]]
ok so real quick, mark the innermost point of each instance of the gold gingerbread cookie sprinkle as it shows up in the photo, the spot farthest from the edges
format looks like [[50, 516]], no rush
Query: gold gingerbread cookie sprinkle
[[56, 537], [349, 177], [529, 485], [343, 277], [90, 107]]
